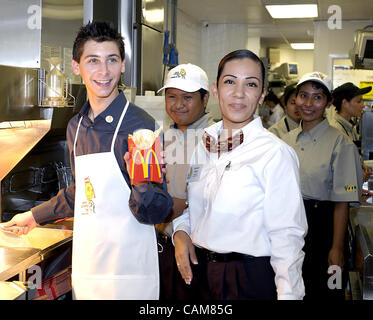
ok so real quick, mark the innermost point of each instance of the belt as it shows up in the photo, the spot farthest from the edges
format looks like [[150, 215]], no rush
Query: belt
[[317, 203], [163, 239], [211, 256]]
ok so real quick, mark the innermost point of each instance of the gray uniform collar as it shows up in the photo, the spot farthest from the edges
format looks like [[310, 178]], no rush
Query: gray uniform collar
[[316, 132], [202, 122], [346, 124]]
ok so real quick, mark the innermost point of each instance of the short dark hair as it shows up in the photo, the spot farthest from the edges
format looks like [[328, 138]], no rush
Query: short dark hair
[[99, 32], [201, 91], [338, 102], [272, 97], [289, 90], [317, 85], [240, 54]]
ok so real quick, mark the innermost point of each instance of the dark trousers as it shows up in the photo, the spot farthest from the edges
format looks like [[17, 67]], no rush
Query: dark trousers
[[251, 278], [172, 285], [318, 243]]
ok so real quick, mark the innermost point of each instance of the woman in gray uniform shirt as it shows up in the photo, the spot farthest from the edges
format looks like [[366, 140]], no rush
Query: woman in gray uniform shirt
[[292, 117], [331, 178], [349, 104]]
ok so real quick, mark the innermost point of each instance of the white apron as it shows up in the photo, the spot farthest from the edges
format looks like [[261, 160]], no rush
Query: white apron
[[114, 256]]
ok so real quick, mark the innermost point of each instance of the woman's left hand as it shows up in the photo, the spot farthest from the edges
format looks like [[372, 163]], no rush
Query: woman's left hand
[[336, 257]]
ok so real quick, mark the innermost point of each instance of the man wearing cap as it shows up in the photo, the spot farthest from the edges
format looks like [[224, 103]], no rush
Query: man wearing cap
[[331, 179], [349, 104], [186, 97]]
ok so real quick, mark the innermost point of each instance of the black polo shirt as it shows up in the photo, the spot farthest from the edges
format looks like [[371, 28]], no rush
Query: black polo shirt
[[151, 206]]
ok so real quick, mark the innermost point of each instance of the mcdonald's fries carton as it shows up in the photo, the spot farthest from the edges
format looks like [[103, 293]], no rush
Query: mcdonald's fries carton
[[145, 148]]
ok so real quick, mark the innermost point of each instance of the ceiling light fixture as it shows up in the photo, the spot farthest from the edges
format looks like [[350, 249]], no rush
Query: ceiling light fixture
[[303, 46], [291, 9]]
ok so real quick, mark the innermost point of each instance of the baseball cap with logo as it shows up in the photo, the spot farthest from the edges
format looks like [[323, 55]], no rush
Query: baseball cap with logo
[[187, 77], [316, 77]]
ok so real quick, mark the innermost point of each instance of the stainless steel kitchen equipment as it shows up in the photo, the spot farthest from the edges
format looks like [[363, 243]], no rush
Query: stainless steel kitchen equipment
[[20, 35], [365, 236], [366, 129], [361, 278], [142, 25], [34, 157], [48, 248]]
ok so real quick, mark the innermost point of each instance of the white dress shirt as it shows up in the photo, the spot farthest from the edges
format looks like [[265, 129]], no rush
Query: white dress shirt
[[249, 201]]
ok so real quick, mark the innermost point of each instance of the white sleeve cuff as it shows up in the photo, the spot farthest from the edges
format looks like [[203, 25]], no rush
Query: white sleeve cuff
[[288, 297], [180, 227]]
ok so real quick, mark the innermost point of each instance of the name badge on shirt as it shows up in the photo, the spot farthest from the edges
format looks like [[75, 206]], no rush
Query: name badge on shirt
[[194, 173]]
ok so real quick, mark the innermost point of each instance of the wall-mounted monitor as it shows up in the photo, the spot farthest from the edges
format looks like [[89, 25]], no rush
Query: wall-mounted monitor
[[363, 48], [288, 70]]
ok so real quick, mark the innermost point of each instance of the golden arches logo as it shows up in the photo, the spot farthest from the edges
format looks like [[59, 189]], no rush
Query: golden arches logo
[[145, 163]]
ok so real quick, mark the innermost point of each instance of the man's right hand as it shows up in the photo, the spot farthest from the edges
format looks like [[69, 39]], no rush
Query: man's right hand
[[184, 252], [25, 221]]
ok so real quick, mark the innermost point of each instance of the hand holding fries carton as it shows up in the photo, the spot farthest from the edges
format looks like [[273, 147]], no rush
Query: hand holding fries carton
[[145, 148]]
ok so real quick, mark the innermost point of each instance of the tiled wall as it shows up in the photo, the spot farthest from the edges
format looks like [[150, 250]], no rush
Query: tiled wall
[[206, 45], [188, 40], [217, 41]]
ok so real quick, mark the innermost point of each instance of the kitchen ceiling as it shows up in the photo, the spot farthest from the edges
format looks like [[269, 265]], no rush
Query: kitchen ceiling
[[274, 31]]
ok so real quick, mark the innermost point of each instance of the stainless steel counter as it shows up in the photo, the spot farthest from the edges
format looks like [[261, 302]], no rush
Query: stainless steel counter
[[12, 291], [365, 237], [15, 143], [18, 253], [361, 220]]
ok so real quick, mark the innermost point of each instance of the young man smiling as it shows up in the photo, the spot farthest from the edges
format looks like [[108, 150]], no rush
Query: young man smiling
[[114, 250]]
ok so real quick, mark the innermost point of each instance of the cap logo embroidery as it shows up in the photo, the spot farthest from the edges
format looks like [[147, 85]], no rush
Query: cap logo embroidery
[[179, 74], [317, 75]]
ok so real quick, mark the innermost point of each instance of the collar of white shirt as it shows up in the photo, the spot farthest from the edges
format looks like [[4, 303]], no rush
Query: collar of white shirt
[[249, 131]]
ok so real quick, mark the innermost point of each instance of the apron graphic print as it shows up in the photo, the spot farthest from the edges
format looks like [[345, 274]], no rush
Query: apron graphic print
[[88, 207]]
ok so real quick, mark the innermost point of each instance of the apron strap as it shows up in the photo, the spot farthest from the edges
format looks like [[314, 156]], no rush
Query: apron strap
[[115, 133], [118, 126], [76, 135]]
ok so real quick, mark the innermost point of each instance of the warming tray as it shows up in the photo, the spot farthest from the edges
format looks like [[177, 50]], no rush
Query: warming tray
[[17, 254]]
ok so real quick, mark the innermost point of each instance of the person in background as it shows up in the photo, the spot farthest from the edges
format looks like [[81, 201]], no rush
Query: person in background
[[349, 104], [115, 252], [331, 178], [186, 97], [292, 117], [239, 237], [276, 110]]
